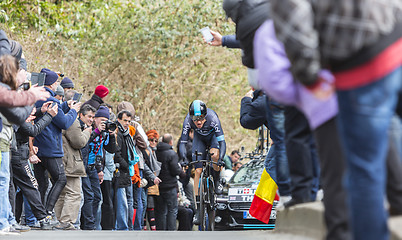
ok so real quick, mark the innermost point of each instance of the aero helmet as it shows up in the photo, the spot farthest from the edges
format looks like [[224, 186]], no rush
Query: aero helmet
[[197, 110]]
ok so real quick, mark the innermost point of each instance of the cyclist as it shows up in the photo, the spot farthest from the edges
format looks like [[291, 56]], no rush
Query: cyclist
[[207, 133]]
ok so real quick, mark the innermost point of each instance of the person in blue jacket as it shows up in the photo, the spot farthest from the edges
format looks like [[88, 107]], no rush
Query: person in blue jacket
[[50, 145]]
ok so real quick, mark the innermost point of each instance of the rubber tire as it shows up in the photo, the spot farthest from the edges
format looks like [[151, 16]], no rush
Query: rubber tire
[[203, 206]]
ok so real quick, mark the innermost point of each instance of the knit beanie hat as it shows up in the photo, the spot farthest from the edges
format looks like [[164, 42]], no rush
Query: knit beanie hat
[[51, 77], [152, 134], [101, 91], [103, 112], [67, 83], [16, 49], [126, 106], [60, 91]]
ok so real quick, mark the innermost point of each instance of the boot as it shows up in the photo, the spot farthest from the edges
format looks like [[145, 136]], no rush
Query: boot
[[196, 219], [218, 184]]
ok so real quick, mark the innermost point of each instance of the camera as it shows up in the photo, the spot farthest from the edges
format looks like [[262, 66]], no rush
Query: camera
[[99, 163], [26, 86], [110, 125]]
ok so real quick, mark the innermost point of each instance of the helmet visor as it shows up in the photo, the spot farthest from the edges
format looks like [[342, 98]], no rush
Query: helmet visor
[[198, 118]]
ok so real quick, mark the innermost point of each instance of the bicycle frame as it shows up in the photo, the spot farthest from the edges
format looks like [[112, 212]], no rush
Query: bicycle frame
[[206, 190]]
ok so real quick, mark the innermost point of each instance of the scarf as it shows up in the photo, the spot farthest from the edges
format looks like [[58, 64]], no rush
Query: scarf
[[153, 162], [133, 157]]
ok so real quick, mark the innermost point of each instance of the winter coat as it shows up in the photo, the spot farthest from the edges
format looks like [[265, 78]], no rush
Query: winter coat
[[22, 134], [109, 144], [248, 16], [95, 101], [253, 111], [121, 157], [277, 80], [170, 166], [49, 141], [73, 140]]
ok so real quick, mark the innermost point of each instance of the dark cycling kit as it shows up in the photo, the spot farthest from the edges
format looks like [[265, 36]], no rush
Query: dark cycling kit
[[209, 135]]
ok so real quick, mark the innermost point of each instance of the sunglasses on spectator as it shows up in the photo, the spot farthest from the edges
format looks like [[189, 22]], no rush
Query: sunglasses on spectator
[[154, 140], [198, 118]]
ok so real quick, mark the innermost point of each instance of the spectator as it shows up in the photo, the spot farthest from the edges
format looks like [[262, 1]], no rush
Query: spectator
[[230, 160], [152, 189], [166, 207], [9, 80], [97, 98], [257, 109], [67, 84], [126, 158], [108, 218], [185, 212], [74, 139], [93, 156], [59, 93], [141, 143], [364, 68], [22, 173], [12, 98], [50, 145], [237, 166]]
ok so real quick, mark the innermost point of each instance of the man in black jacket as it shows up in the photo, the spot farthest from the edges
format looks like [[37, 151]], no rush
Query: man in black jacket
[[166, 207], [125, 159]]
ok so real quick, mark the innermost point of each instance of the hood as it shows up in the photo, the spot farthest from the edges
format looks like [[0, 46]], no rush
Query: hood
[[248, 16], [163, 147]]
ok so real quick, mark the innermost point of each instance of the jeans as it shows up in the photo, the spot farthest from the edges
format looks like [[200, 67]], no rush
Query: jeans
[[364, 118], [395, 132], [144, 203], [55, 167], [276, 162], [124, 212], [92, 198], [137, 195], [5, 206], [30, 218], [166, 210]]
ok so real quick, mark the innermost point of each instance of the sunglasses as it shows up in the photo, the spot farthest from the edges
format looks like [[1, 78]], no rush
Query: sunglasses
[[154, 140], [198, 118]]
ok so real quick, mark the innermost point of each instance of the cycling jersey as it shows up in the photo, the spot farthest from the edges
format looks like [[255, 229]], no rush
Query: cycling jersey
[[212, 125]]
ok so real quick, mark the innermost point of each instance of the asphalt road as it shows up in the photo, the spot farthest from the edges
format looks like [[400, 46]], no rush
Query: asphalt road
[[158, 235]]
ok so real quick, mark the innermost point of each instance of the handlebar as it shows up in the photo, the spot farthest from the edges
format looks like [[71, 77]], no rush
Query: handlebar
[[206, 161]]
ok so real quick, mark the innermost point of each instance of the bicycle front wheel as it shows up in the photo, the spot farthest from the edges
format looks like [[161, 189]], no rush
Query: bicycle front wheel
[[211, 205], [203, 205]]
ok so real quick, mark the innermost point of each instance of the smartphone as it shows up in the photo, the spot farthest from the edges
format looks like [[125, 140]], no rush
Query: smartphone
[[77, 97], [38, 78], [206, 33]]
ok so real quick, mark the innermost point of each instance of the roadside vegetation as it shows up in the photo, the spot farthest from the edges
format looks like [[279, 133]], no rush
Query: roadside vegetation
[[148, 52]]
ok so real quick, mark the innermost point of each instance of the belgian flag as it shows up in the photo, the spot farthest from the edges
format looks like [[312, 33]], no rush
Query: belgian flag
[[264, 198]]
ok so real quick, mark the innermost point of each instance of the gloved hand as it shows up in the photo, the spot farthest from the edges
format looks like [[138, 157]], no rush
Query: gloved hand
[[221, 163], [184, 162]]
